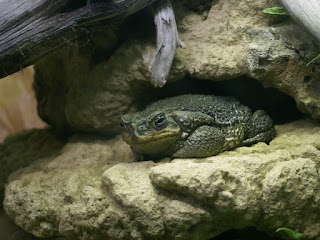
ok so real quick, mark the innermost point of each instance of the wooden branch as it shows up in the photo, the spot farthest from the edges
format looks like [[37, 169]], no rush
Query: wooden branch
[[305, 12], [167, 42], [31, 29]]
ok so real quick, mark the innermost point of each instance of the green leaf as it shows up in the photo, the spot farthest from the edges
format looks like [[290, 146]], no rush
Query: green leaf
[[292, 234], [277, 10], [313, 59]]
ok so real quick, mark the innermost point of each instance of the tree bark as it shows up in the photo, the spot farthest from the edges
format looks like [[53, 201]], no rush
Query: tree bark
[[305, 12], [31, 29]]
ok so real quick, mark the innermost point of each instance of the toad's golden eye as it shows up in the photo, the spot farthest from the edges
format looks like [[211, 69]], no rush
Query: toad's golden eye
[[159, 122]]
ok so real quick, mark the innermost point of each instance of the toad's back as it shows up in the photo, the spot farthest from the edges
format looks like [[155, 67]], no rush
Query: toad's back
[[223, 109]]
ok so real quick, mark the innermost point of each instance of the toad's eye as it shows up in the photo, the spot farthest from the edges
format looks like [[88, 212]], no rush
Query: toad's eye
[[159, 122], [122, 125]]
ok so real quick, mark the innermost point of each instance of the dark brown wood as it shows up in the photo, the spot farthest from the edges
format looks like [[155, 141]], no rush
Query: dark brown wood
[[167, 42], [31, 29]]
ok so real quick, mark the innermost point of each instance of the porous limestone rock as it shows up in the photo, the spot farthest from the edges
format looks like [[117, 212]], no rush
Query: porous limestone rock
[[63, 194], [89, 97], [88, 88], [143, 205], [93, 190], [24, 148], [10, 231]]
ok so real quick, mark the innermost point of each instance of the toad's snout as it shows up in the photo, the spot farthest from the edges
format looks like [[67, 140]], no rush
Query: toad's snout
[[127, 131]]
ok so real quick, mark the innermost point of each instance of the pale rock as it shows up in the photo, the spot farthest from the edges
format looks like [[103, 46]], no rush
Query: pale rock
[[130, 185], [225, 39], [92, 190]]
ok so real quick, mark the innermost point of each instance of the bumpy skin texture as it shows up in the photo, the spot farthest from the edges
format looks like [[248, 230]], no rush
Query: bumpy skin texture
[[194, 126]]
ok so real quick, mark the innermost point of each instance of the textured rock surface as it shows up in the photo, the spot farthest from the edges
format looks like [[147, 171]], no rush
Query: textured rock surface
[[63, 194], [143, 205], [90, 97], [22, 149], [93, 190], [9, 231], [225, 39]]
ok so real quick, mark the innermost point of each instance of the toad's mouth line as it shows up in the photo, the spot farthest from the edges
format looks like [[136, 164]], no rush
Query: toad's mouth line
[[152, 138]]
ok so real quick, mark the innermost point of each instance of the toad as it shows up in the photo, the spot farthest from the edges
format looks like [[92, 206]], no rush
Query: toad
[[194, 125]]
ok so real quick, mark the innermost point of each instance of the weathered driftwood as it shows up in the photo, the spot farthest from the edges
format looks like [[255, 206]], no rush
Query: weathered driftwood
[[305, 12], [167, 42], [31, 29]]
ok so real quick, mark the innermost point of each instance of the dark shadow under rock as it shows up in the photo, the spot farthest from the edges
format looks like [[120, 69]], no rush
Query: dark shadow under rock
[[279, 106], [249, 233]]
